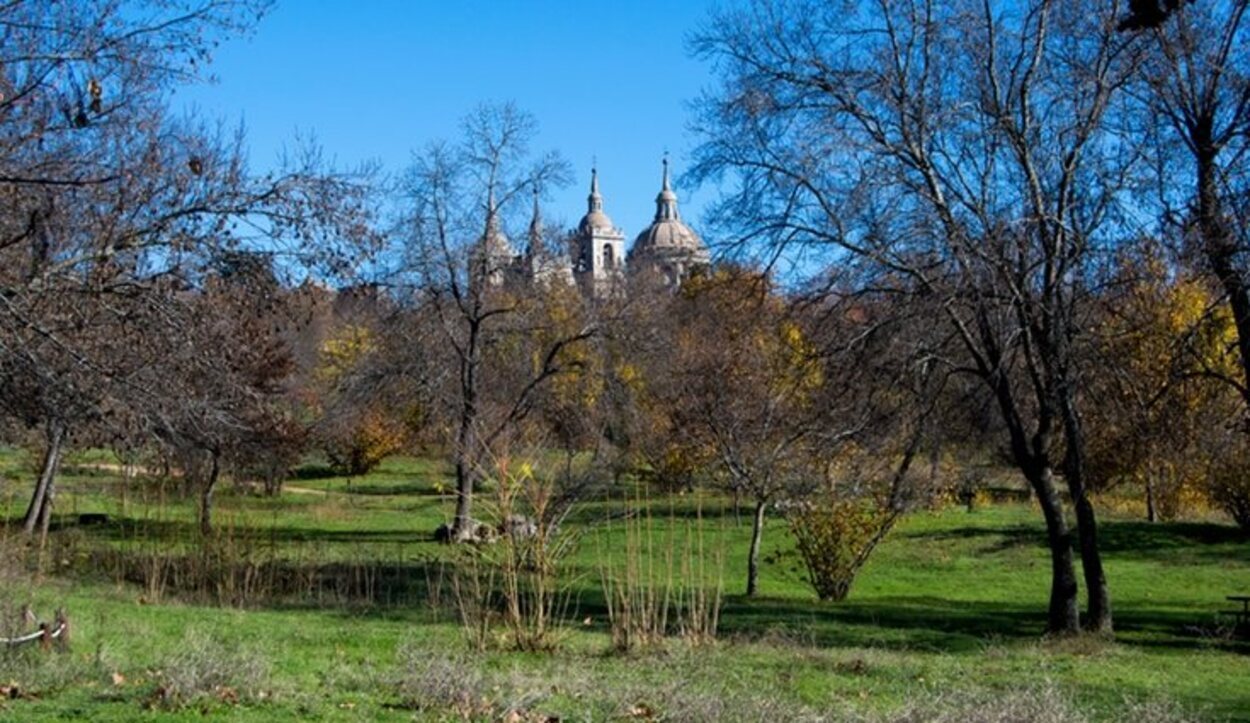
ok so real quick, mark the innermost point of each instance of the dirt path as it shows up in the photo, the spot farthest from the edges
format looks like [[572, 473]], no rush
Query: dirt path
[[120, 469]]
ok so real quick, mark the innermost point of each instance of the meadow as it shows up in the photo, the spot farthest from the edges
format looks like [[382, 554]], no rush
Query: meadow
[[342, 612]]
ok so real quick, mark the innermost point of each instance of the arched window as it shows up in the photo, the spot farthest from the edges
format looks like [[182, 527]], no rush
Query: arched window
[[609, 259]]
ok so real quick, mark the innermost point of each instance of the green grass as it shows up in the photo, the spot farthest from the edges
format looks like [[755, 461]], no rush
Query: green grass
[[951, 601]]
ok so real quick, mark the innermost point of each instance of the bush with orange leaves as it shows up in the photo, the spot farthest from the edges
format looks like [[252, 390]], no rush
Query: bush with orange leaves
[[357, 446]]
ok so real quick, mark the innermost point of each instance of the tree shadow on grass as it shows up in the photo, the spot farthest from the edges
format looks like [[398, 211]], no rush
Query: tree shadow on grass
[[140, 531], [951, 626], [415, 581], [1162, 542]]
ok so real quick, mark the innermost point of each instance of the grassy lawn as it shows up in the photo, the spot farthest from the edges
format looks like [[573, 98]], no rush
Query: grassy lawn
[[950, 606]]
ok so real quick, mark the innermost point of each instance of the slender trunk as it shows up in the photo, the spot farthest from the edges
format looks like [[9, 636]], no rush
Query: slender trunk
[[466, 440], [41, 500], [1152, 514], [462, 526], [206, 495], [273, 480], [1098, 597], [1098, 617], [1220, 247], [1063, 617], [753, 559]]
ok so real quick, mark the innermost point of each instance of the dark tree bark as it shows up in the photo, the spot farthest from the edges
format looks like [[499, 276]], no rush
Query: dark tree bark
[[1063, 616], [753, 559], [39, 510], [466, 436], [1220, 245], [206, 494]]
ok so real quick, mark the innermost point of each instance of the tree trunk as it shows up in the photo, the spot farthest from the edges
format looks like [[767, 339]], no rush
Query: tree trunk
[[1063, 617], [1098, 596], [206, 495], [462, 526], [466, 439], [1219, 245], [1152, 514], [753, 559], [41, 501]]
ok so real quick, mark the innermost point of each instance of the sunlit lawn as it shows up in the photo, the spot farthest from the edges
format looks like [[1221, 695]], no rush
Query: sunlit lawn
[[952, 599]]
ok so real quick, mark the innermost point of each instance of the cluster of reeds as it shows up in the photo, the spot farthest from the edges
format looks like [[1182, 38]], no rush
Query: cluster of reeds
[[664, 581], [514, 580]]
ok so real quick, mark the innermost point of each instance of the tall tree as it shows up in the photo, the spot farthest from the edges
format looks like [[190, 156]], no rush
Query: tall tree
[[487, 346], [110, 198], [963, 147], [742, 391], [1197, 91]]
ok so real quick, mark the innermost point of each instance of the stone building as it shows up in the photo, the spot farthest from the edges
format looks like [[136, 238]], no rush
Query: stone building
[[668, 247], [595, 260], [598, 247]]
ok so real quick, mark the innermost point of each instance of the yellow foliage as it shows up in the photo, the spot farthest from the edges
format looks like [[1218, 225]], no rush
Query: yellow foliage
[[341, 352], [372, 439], [1166, 333]]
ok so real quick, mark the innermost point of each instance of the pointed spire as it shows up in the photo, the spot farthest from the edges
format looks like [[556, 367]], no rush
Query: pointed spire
[[594, 201], [492, 213], [494, 241], [536, 229], [666, 202]]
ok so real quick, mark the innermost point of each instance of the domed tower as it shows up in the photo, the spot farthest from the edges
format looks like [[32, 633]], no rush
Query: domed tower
[[598, 246], [492, 259], [668, 248], [542, 265]]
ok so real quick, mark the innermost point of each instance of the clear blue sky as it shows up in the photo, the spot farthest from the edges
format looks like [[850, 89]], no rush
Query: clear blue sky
[[378, 79]]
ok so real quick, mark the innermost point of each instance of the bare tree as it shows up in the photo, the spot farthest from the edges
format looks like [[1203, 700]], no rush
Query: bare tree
[[1196, 85], [112, 202], [488, 346], [965, 148]]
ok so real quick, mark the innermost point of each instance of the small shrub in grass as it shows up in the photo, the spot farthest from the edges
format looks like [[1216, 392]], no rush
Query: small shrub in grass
[[1230, 488], [428, 681], [835, 538], [1040, 704], [206, 670], [514, 585], [357, 446], [29, 672]]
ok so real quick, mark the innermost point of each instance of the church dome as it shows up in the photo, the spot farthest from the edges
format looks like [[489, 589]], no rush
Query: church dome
[[668, 235], [495, 243], [595, 218]]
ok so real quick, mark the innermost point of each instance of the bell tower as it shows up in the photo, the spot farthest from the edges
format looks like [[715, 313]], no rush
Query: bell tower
[[598, 246]]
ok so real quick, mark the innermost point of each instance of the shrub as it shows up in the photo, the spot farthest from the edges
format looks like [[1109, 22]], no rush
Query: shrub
[[1230, 489], [356, 448], [204, 669], [834, 538], [666, 580], [517, 576], [437, 682]]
